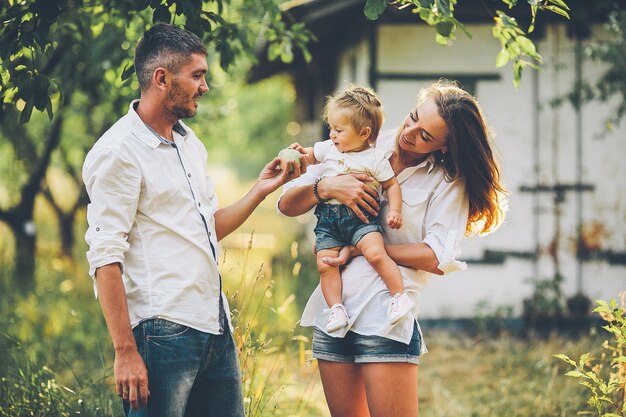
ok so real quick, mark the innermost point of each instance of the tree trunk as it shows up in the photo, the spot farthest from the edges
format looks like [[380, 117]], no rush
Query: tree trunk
[[24, 267], [66, 229]]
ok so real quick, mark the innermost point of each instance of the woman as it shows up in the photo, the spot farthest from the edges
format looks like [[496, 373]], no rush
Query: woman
[[442, 156]]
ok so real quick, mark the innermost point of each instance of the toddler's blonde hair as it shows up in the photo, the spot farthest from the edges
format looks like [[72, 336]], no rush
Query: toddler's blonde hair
[[366, 108]]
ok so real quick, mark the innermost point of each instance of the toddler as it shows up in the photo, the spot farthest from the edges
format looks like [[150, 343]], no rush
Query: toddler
[[354, 117]]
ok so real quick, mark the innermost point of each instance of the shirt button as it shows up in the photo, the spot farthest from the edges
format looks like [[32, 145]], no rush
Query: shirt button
[[199, 204], [97, 229], [189, 175]]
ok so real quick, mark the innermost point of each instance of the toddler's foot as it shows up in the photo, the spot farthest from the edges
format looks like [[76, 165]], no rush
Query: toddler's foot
[[399, 307], [338, 318]]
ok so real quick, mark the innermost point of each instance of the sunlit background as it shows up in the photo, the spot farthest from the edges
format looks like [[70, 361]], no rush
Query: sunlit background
[[492, 331]]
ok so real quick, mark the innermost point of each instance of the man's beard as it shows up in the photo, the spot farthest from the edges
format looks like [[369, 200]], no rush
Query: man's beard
[[176, 101]]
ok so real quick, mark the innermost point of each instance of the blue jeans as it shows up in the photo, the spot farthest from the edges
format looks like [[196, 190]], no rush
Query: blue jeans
[[190, 373]]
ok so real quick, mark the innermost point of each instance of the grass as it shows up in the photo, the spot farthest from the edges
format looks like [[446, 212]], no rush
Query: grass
[[56, 361], [56, 356], [505, 376]]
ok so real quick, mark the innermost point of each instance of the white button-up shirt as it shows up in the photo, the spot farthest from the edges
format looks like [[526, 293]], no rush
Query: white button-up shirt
[[148, 201], [434, 211]]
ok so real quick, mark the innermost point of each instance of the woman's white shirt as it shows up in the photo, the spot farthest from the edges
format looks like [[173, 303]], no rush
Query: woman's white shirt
[[434, 211]]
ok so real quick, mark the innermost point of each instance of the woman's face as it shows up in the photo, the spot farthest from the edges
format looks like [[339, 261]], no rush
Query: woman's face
[[425, 131]]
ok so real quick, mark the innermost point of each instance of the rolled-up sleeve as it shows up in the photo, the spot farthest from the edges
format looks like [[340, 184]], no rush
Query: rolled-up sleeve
[[445, 222], [113, 183]]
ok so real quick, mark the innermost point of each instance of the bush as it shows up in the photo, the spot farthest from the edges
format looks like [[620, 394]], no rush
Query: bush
[[604, 375]]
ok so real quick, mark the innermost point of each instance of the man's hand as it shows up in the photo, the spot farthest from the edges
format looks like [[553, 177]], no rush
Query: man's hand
[[276, 173], [351, 190], [131, 378]]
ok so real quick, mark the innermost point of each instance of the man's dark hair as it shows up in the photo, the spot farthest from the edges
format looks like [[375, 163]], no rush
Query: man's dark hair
[[165, 46]]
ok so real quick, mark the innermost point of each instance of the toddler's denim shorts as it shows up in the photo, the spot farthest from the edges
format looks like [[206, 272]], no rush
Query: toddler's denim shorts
[[357, 348], [337, 225]]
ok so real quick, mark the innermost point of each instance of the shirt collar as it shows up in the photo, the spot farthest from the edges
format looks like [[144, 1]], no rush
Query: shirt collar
[[428, 164], [141, 131], [431, 162]]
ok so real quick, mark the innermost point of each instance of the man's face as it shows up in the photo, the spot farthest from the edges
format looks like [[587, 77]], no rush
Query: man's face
[[187, 86]]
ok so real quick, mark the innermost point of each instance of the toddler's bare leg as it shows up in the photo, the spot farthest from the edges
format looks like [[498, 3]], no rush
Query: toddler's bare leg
[[330, 278]]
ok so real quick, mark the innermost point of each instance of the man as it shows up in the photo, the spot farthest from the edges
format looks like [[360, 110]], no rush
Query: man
[[153, 230]]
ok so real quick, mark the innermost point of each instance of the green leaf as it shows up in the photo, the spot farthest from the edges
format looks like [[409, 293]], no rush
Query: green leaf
[[565, 358], [287, 54], [560, 3], [576, 374], [527, 45], [510, 3], [441, 40], [274, 51], [128, 71], [558, 10], [445, 28], [26, 113], [501, 60], [517, 74], [443, 7], [49, 109], [374, 8], [161, 14], [583, 360]]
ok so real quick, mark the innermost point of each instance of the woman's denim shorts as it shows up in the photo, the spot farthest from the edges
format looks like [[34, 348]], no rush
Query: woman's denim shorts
[[357, 348]]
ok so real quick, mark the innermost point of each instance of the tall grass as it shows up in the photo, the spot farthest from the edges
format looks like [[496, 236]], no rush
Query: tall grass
[[480, 376], [56, 355]]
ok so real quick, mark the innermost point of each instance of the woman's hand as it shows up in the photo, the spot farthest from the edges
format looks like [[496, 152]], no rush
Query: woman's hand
[[345, 256], [351, 190]]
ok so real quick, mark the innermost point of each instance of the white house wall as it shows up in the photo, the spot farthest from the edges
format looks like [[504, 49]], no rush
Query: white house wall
[[512, 115]]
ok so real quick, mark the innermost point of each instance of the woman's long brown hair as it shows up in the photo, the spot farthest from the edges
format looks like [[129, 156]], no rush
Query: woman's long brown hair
[[470, 156]]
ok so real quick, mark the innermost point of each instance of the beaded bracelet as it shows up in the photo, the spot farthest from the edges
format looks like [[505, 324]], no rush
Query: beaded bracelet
[[316, 193]]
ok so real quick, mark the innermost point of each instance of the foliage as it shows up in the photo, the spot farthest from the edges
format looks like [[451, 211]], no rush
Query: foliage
[[32, 37], [516, 46], [612, 53], [251, 123], [605, 376], [547, 299]]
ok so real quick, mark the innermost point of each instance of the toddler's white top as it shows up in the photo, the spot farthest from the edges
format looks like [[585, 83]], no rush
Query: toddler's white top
[[371, 161]]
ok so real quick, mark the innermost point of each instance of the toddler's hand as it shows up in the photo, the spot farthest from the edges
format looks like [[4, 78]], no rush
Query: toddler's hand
[[298, 147], [394, 219]]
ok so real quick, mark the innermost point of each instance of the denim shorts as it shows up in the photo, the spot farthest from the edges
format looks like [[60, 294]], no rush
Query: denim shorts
[[357, 348], [337, 225]]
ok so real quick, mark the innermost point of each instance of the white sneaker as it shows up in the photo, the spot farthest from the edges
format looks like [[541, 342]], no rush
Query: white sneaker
[[399, 306], [338, 318]]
